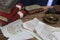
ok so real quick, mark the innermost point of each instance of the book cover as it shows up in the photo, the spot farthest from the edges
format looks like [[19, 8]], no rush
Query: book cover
[[9, 16], [14, 18], [3, 23], [8, 10], [6, 3], [18, 16], [12, 13], [33, 9]]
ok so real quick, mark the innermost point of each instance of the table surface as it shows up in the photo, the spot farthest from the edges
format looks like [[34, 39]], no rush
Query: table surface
[[38, 16]]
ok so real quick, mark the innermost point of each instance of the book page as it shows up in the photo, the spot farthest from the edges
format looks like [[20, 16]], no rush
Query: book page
[[43, 30], [11, 29]]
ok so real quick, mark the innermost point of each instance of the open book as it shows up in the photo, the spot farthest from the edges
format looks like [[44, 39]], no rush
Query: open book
[[14, 31], [42, 30], [18, 30]]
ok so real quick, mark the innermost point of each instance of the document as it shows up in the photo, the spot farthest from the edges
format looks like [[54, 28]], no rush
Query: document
[[34, 28]]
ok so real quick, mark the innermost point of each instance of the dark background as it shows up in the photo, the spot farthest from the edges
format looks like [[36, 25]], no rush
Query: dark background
[[39, 2], [58, 2]]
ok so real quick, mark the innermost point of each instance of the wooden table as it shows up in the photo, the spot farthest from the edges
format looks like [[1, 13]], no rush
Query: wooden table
[[38, 16]]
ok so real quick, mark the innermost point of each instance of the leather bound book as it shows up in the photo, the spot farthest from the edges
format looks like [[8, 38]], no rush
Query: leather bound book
[[13, 11], [32, 9], [3, 23], [7, 5], [18, 16], [14, 18], [9, 16], [35, 11]]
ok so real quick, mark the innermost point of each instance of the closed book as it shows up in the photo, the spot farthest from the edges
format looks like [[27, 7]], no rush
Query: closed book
[[22, 14], [14, 11], [3, 23], [35, 11], [14, 18], [9, 16], [8, 10], [7, 3], [32, 9]]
